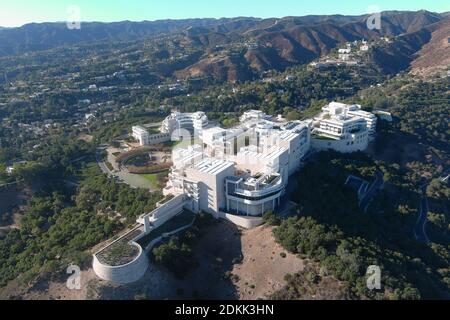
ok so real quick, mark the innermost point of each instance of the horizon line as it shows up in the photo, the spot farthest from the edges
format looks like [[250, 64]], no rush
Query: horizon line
[[218, 18]]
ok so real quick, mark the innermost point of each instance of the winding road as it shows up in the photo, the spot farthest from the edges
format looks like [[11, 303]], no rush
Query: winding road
[[420, 229], [10, 184], [373, 189]]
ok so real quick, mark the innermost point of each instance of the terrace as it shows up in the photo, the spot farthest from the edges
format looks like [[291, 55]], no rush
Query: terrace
[[322, 137], [257, 186], [181, 220]]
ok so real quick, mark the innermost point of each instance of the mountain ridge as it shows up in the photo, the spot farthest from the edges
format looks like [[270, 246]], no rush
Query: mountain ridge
[[42, 36], [289, 41], [271, 43]]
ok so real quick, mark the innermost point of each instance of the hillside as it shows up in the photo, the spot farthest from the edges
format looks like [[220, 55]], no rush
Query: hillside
[[397, 56], [44, 36], [434, 56], [298, 40]]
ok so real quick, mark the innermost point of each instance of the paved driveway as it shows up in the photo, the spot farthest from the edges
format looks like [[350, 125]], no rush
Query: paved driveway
[[420, 228], [373, 189]]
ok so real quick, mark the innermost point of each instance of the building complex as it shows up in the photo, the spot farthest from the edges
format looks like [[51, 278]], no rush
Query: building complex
[[241, 173], [244, 170]]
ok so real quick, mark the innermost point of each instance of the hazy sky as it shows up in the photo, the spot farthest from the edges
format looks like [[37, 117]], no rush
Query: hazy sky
[[19, 12]]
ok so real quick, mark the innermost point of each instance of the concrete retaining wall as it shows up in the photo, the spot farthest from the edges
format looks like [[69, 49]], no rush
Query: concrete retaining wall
[[162, 214], [135, 270], [166, 235], [242, 221]]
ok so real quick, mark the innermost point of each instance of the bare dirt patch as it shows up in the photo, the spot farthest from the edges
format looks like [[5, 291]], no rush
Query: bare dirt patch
[[312, 284], [264, 266], [85, 137], [49, 290]]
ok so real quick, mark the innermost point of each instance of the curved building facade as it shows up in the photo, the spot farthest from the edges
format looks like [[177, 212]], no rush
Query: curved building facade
[[178, 122], [254, 196]]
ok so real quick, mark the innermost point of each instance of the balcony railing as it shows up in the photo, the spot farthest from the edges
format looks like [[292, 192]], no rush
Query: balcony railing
[[266, 191]]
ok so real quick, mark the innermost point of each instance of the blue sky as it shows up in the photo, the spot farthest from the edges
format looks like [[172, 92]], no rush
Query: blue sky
[[19, 12]]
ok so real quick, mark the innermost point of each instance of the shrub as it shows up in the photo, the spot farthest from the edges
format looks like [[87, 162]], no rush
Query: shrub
[[271, 219]]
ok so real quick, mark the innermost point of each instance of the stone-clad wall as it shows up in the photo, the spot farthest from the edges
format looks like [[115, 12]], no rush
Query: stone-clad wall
[[128, 273], [163, 213], [135, 270], [242, 221], [339, 145]]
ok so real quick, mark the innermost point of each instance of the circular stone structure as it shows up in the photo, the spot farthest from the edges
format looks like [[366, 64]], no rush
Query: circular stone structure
[[122, 274]]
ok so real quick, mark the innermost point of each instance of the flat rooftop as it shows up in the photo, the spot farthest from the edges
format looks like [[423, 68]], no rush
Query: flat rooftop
[[181, 220], [288, 135], [272, 154], [362, 113], [214, 130], [212, 166], [139, 128], [342, 119], [187, 154]]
